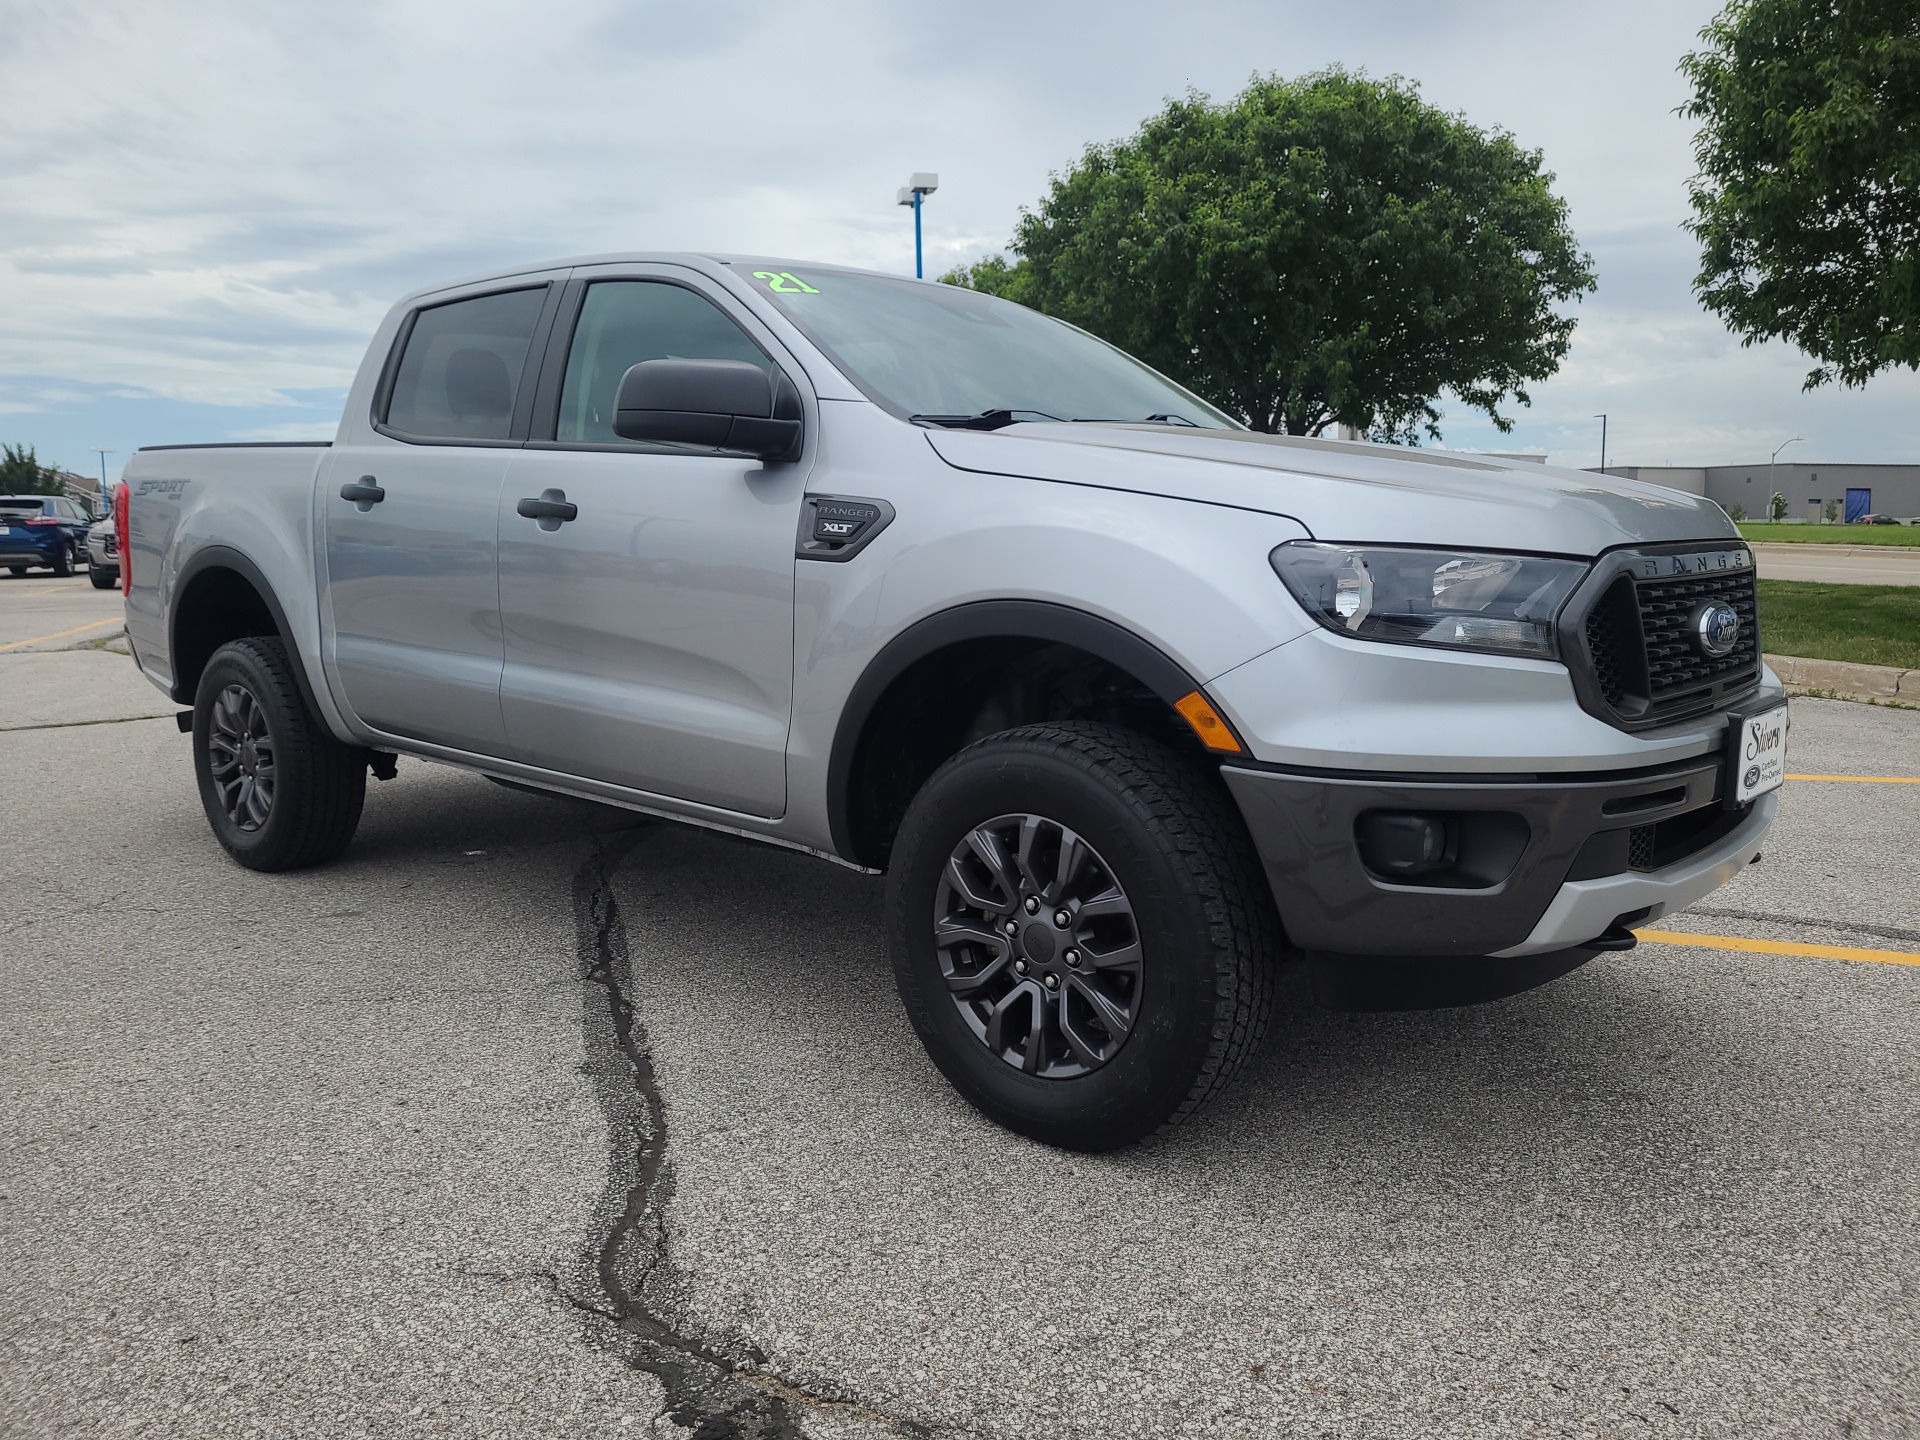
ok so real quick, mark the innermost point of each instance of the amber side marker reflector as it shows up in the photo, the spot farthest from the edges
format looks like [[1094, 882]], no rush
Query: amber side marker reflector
[[1206, 723]]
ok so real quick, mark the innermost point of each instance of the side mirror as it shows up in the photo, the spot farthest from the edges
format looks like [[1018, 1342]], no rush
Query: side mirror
[[726, 404]]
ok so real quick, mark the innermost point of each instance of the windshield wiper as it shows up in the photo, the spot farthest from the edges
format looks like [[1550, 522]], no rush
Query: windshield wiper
[[1162, 419], [983, 420]]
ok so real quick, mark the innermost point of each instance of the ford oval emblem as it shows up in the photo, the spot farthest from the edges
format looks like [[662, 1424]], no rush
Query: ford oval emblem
[[1716, 629]]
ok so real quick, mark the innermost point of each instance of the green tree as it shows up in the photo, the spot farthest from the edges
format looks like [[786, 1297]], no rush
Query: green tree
[[21, 473], [1325, 250], [1807, 204]]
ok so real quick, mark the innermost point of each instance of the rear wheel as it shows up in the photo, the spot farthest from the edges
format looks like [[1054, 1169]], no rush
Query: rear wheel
[[279, 791], [63, 560], [16, 569], [1081, 933]]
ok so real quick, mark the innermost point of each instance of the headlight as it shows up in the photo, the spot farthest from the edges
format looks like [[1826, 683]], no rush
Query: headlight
[[1504, 604]]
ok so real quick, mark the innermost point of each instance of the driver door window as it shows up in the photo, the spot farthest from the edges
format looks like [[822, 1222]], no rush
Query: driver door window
[[624, 322]]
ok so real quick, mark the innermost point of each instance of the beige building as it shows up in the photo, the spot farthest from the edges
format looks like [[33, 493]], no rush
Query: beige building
[[1808, 488]]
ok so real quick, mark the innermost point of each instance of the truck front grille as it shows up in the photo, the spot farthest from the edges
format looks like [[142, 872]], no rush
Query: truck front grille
[[1644, 665], [1680, 677]]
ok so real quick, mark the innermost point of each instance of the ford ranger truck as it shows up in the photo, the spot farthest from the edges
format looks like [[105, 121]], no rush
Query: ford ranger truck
[[1128, 702]]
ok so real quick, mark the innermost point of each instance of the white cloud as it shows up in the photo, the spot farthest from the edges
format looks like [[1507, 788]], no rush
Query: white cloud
[[213, 201], [296, 430]]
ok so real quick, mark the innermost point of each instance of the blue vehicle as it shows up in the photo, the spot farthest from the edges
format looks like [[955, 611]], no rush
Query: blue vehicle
[[48, 530]]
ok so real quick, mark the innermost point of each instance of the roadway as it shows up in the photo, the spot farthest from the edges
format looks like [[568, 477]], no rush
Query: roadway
[[1839, 564], [532, 1118]]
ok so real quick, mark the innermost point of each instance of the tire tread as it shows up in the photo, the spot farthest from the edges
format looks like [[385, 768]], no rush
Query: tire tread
[[322, 778], [1185, 811]]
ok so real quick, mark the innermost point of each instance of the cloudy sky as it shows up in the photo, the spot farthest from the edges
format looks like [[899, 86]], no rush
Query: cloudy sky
[[205, 207]]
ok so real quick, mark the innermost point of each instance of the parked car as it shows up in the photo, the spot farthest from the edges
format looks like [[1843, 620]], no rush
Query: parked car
[[47, 530], [103, 553], [1129, 703]]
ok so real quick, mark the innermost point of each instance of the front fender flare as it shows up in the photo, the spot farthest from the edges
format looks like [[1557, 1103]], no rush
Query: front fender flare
[[979, 620]]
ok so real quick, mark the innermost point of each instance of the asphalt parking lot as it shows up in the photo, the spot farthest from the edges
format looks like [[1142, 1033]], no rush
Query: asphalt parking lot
[[533, 1118]]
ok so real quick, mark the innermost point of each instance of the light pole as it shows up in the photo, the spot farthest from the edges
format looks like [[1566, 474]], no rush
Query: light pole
[[1603, 442], [102, 453], [1772, 489], [911, 193]]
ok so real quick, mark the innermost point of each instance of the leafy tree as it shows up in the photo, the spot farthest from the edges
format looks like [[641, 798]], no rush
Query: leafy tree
[[1325, 250], [1807, 204], [21, 473]]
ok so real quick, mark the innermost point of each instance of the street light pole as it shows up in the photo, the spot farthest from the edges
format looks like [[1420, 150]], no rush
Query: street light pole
[[103, 475], [1603, 442], [921, 185], [1772, 489]]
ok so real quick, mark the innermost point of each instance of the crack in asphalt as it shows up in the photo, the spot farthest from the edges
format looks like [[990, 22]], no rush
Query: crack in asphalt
[[73, 724], [708, 1393]]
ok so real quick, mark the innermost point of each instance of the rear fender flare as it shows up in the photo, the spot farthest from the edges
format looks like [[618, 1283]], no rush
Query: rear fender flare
[[225, 557]]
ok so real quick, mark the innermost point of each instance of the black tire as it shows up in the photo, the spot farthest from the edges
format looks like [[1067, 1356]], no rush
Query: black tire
[[16, 569], [1162, 829], [102, 578], [316, 786], [63, 561]]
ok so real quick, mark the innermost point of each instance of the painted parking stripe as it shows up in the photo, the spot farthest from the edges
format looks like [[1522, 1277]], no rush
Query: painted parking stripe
[[1780, 947], [1864, 779], [60, 634]]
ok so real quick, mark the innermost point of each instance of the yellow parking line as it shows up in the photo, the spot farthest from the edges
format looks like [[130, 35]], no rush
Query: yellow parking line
[[59, 634], [1865, 779], [1779, 947]]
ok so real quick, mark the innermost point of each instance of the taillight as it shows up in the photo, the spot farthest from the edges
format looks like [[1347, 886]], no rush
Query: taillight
[[123, 535], [44, 520]]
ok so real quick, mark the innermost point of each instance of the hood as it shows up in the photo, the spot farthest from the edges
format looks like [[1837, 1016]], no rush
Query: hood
[[1351, 491]]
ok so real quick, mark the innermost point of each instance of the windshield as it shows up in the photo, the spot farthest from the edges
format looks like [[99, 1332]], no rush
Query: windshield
[[943, 353]]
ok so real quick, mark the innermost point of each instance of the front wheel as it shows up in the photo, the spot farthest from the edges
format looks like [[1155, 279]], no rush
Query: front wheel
[[279, 791], [1081, 933], [101, 578]]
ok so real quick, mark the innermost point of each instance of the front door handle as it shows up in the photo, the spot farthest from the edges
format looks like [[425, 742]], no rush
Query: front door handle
[[365, 493], [552, 509]]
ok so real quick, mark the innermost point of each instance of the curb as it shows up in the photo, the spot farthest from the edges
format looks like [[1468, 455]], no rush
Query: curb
[[1840, 680], [1814, 547]]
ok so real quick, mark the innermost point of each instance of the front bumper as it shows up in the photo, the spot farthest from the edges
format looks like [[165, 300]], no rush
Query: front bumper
[[1548, 863]]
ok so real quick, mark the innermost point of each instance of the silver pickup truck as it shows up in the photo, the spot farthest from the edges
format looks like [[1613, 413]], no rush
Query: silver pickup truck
[[1129, 702]]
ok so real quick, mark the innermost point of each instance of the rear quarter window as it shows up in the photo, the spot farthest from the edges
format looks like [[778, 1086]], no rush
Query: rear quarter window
[[463, 366]]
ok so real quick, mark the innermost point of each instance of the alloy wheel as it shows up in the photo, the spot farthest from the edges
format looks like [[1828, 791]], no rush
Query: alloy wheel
[[240, 757], [1039, 946]]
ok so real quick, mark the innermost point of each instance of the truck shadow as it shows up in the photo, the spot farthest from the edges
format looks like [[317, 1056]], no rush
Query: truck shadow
[[1626, 1069]]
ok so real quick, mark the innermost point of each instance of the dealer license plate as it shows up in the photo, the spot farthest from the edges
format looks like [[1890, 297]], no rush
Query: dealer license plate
[[6, 529], [1757, 754]]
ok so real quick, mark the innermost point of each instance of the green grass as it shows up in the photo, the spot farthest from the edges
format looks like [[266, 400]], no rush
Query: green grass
[[1831, 534], [1865, 624]]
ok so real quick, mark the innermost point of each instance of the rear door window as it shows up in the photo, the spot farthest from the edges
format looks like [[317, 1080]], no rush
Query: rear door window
[[462, 369], [623, 322]]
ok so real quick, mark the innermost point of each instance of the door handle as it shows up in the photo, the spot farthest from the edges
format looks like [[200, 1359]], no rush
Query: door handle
[[364, 493], [552, 509]]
